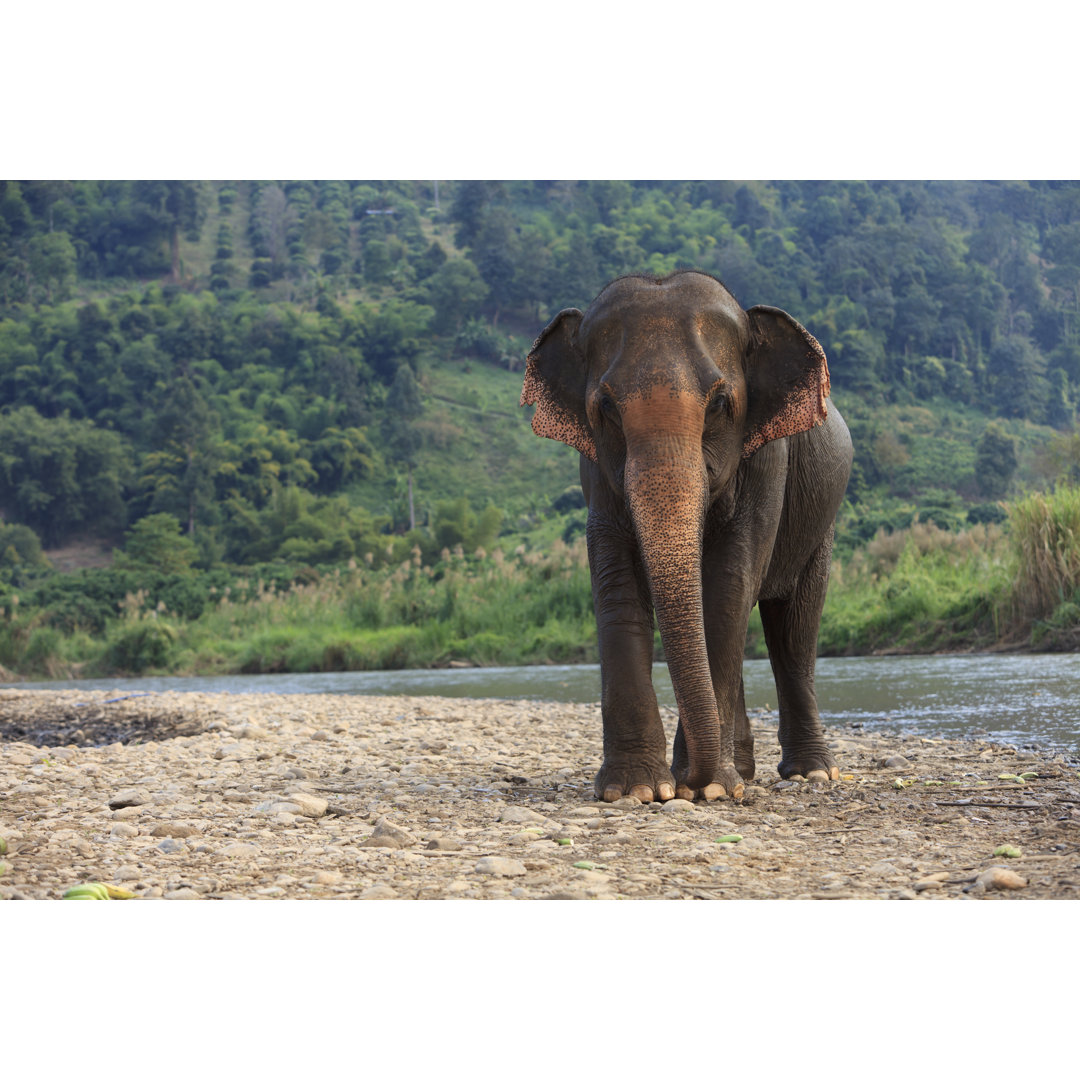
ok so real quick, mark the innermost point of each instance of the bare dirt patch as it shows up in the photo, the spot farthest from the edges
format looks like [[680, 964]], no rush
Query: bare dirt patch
[[189, 795], [83, 555]]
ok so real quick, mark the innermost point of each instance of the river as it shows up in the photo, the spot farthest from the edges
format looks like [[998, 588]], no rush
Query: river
[[1029, 700]]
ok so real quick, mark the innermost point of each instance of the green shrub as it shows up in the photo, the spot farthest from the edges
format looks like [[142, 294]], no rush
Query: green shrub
[[43, 653], [139, 645]]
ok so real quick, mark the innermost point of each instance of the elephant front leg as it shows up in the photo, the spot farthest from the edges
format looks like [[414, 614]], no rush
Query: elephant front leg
[[730, 571], [635, 746], [791, 628]]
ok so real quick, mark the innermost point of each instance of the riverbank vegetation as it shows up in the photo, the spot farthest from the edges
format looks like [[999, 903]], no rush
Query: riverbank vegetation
[[919, 589]]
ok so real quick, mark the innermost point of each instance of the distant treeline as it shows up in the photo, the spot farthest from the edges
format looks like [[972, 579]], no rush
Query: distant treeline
[[228, 351]]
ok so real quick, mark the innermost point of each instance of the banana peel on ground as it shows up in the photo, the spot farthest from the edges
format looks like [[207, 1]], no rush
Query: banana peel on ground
[[96, 890]]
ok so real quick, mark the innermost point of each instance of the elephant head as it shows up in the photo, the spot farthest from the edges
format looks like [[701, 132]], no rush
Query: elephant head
[[667, 385]]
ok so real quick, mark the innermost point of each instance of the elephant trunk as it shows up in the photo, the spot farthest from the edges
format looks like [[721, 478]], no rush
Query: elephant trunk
[[666, 487]]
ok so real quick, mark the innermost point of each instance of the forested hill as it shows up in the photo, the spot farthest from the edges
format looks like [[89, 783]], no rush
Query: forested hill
[[273, 362]]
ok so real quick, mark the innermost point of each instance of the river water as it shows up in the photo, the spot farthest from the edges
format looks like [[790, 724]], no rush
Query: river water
[[1019, 700]]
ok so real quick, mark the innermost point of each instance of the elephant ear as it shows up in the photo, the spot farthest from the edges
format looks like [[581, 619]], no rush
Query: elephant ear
[[787, 379], [555, 384]]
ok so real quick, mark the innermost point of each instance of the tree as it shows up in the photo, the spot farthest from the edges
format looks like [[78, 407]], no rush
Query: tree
[[995, 461], [155, 543], [20, 549], [178, 475], [180, 205], [403, 408], [470, 201], [1017, 372], [51, 260], [456, 292], [890, 453], [270, 220]]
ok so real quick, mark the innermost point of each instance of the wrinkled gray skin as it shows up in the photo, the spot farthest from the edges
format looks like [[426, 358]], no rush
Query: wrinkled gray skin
[[713, 469]]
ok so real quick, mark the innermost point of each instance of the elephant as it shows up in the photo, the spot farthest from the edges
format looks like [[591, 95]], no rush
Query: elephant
[[713, 470]]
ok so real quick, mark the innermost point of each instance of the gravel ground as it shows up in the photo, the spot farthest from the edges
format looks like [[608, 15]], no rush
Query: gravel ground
[[265, 796]]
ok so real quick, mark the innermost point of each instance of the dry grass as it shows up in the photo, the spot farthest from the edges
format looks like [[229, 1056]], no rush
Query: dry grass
[[1045, 532]]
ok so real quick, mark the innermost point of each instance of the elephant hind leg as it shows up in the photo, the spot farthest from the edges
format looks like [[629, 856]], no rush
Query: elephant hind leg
[[791, 628], [744, 738]]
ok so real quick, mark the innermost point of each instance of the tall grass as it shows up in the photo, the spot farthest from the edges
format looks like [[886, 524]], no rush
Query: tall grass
[[529, 607], [1045, 532]]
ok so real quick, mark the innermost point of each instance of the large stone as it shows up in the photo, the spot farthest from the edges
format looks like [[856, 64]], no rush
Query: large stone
[[379, 892], [498, 866], [1000, 877], [389, 835], [239, 849], [169, 828], [128, 797], [310, 805], [521, 815], [445, 843]]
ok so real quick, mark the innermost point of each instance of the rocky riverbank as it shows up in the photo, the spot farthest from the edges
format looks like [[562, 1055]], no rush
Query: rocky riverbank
[[260, 796]]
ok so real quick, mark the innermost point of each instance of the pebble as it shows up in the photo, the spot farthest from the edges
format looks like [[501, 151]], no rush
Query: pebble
[[388, 835], [895, 761], [923, 884], [170, 846], [309, 805], [882, 869], [379, 892], [567, 831], [445, 843], [123, 830], [169, 828], [498, 866], [999, 877], [521, 815], [677, 805], [329, 877], [239, 849], [182, 894], [526, 836]]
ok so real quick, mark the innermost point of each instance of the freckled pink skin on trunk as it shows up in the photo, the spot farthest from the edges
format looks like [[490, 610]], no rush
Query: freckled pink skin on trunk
[[667, 491]]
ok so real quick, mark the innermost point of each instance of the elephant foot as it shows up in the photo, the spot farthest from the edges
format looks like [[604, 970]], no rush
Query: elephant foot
[[725, 784], [744, 753], [810, 765], [649, 781], [744, 765]]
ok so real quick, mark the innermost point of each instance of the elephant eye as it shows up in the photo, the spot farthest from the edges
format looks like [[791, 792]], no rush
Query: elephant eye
[[608, 407], [717, 405]]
